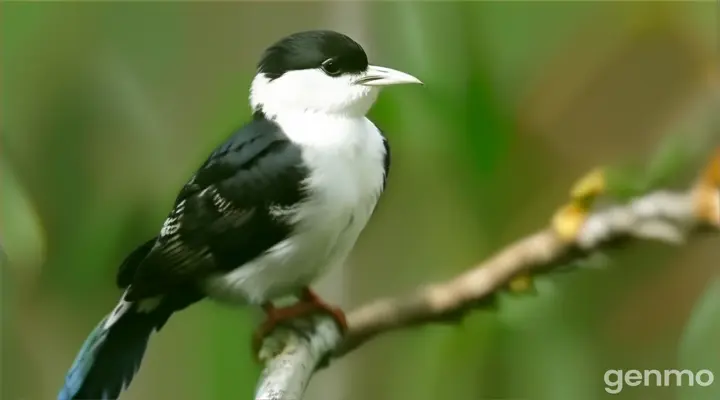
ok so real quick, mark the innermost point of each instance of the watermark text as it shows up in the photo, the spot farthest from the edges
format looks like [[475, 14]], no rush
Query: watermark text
[[617, 379]]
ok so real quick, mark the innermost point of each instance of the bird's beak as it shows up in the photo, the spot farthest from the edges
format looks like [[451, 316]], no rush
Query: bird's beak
[[381, 76]]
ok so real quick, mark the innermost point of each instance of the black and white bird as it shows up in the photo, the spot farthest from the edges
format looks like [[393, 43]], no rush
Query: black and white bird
[[281, 201]]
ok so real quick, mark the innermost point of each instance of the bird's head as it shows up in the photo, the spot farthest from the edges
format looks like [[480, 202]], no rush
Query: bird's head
[[319, 72]]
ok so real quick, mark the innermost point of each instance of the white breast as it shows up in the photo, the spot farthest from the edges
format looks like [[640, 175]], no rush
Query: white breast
[[346, 161]]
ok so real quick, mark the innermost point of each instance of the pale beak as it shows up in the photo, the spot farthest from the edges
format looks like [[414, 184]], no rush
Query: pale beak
[[381, 76]]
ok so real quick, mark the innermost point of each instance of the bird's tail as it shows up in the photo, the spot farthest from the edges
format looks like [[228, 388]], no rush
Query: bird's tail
[[111, 355]]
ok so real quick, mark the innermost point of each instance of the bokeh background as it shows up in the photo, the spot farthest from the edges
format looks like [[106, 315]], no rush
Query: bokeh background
[[107, 108]]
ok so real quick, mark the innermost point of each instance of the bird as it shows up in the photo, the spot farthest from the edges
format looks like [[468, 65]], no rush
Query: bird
[[281, 201]]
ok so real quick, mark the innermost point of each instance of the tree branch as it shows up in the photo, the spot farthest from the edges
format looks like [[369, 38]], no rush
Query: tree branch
[[293, 354]]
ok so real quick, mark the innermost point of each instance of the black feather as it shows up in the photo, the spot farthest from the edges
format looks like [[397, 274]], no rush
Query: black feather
[[111, 356], [305, 50], [222, 218], [386, 161], [127, 269]]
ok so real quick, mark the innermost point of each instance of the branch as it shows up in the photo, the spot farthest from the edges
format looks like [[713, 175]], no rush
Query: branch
[[293, 354]]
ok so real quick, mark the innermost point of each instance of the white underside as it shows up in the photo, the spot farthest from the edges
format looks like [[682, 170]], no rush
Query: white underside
[[346, 158]]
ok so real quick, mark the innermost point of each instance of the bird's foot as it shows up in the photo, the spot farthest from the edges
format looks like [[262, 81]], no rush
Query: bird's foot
[[336, 313], [309, 304]]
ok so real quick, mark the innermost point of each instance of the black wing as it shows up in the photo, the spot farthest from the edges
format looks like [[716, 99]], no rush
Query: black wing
[[222, 217]]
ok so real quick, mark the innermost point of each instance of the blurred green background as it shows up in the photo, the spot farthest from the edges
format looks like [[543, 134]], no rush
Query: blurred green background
[[107, 108]]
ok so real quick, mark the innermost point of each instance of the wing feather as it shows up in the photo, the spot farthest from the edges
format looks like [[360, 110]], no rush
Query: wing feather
[[225, 215]]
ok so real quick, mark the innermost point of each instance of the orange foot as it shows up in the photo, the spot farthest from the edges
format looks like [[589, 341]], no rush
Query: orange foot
[[308, 304]]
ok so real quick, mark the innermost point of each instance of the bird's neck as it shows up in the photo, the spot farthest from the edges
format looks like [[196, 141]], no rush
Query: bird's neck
[[323, 130], [277, 110]]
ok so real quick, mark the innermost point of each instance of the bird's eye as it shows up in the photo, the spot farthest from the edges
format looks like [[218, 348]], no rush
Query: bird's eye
[[331, 67]]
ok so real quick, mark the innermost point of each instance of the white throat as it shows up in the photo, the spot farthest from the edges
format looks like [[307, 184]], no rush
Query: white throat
[[311, 92]]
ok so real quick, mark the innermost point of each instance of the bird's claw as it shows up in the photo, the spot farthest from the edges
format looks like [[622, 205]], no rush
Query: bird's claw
[[308, 305]]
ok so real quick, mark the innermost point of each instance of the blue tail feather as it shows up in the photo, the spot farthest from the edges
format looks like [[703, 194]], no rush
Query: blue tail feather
[[111, 355]]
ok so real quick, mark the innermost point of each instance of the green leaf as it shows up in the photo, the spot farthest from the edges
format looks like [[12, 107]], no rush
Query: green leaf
[[22, 233], [674, 154], [700, 346], [624, 182]]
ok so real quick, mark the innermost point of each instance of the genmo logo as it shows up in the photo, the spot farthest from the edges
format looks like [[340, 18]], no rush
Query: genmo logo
[[616, 379]]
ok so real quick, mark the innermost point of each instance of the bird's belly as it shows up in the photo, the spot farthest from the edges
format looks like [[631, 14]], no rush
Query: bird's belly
[[297, 261]]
